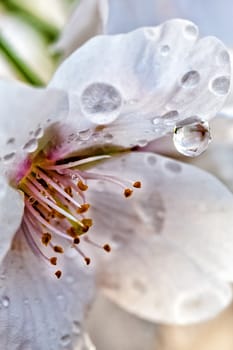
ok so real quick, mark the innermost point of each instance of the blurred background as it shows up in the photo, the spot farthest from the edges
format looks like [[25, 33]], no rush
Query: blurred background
[[28, 32]]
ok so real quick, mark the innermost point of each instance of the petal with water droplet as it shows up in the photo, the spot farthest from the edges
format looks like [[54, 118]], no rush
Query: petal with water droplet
[[139, 90]]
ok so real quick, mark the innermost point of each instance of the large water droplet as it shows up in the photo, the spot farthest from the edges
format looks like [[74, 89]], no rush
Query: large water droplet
[[191, 137], [190, 79], [65, 340], [220, 85], [5, 301], [101, 103], [31, 146]]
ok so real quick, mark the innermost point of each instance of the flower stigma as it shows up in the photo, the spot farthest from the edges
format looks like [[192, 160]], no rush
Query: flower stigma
[[56, 207]]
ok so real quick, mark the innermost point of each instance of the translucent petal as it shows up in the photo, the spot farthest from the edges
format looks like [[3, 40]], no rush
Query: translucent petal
[[155, 281], [85, 22], [121, 16], [37, 310], [11, 211], [139, 97], [26, 113], [179, 207]]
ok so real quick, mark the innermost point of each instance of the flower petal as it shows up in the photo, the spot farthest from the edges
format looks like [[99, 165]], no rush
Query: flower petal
[[133, 88], [154, 280], [121, 16], [12, 207], [25, 114], [179, 208], [86, 21], [37, 310]]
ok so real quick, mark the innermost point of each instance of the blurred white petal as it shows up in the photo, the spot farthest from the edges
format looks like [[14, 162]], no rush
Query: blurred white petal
[[38, 311], [180, 219], [12, 207]]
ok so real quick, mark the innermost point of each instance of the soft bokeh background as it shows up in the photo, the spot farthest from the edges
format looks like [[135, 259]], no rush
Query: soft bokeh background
[[28, 31]]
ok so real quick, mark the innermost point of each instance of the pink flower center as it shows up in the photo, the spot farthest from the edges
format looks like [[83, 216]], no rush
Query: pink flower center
[[56, 206]]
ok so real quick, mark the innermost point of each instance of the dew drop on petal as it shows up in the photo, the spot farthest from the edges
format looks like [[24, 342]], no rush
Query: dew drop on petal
[[190, 79], [220, 85], [191, 31], [192, 137], [223, 58], [65, 340], [170, 117], [101, 103], [5, 301], [164, 50], [9, 156], [76, 327], [39, 133], [31, 146], [85, 135]]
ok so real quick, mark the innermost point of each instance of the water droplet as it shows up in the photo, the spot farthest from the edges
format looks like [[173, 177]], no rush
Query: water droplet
[[191, 137], [76, 327], [10, 141], [9, 156], [156, 120], [164, 50], [220, 86], [39, 133], [223, 57], [142, 143], [173, 166], [108, 137], [5, 301], [191, 31], [151, 159], [31, 145], [85, 135], [101, 103], [65, 340], [171, 117], [190, 79]]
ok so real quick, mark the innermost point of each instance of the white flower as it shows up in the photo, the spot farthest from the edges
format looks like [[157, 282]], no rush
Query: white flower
[[66, 161]]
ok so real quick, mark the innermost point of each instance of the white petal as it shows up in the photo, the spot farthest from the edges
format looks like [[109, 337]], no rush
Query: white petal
[[37, 310], [87, 20], [11, 211], [139, 85], [213, 18], [183, 206], [26, 112], [155, 281]]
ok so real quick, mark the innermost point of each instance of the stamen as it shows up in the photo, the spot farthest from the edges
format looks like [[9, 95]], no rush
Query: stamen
[[128, 192], [82, 186], [56, 206], [53, 260], [76, 163], [58, 249], [58, 274], [83, 209], [46, 238], [106, 247]]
